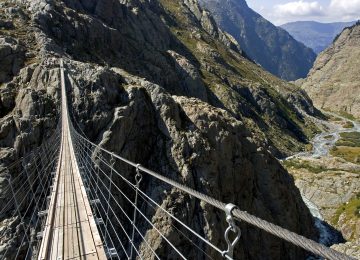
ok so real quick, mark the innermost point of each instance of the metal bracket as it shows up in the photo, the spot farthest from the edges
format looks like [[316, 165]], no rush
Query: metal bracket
[[138, 176], [111, 252], [229, 253], [99, 221], [40, 235], [94, 201], [112, 160], [42, 213]]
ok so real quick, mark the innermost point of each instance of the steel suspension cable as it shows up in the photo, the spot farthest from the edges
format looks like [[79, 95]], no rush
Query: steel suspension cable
[[37, 202], [20, 189], [273, 229], [168, 213], [175, 249], [119, 222], [298, 240], [107, 216], [22, 217]]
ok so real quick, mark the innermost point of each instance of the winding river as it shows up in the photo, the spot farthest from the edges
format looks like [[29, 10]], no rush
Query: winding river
[[322, 144], [325, 141]]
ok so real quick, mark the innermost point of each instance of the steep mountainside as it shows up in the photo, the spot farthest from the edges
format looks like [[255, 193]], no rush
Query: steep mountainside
[[333, 82], [158, 83], [272, 47], [317, 36]]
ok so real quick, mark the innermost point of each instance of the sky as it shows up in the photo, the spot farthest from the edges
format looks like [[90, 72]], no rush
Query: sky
[[283, 11]]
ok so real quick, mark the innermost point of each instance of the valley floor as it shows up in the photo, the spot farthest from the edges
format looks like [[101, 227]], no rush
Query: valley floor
[[328, 178]]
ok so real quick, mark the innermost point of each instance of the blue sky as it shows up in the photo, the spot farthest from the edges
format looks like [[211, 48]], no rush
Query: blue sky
[[282, 11]]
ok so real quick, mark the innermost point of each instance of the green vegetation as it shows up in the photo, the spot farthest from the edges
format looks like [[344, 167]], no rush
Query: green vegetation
[[347, 115], [351, 210], [348, 147], [349, 139], [309, 147], [297, 164], [348, 124], [350, 154], [332, 118], [227, 73]]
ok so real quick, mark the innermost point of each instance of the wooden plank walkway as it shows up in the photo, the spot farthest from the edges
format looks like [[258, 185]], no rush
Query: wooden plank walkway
[[70, 231]]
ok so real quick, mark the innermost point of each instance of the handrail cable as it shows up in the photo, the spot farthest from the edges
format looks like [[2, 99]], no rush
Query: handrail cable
[[21, 173], [81, 162], [168, 213], [37, 202], [273, 229], [20, 189], [125, 215], [24, 198]]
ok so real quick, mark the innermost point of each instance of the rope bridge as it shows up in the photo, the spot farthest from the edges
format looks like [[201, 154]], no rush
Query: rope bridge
[[67, 200]]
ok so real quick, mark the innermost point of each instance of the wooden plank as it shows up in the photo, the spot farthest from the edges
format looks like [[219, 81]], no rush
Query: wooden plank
[[47, 232], [71, 232], [71, 239]]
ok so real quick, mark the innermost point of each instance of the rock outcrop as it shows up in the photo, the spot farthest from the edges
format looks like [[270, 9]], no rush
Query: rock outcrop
[[333, 185], [158, 83], [12, 57], [190, 141], [138, 40], [333, 82]]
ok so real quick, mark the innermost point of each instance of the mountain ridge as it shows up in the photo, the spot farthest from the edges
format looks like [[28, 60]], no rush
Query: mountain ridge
[[270, 46], [159, 84], [316, 35], [333, 82]]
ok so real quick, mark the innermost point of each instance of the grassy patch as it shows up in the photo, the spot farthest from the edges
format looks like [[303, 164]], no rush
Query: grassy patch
[[350, 154], [347, 115], [349, 139], [351, 210], [348, 147], [348, 124], [297, 164], [309, 147], [334, 118]]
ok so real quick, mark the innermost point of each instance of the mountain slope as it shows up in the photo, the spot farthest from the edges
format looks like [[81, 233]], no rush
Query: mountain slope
[[158, 83], [189, 56], [272, 47], [315, 35], [333, 82]]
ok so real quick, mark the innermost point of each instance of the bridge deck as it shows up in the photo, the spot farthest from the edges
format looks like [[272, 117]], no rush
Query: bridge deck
[[70, 231]]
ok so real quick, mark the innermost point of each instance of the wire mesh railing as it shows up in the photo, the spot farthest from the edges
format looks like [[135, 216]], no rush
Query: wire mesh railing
[[133, 222], [24, 199], [126, 214]]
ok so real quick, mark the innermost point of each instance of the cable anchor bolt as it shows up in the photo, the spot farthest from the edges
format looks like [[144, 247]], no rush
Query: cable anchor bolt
[[138, 176], [229, 253], [112, 160]]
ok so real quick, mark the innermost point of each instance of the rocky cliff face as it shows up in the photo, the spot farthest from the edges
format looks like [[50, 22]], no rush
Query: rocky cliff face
[[333, 82], [270, 46], [176, 49], [158, 83]]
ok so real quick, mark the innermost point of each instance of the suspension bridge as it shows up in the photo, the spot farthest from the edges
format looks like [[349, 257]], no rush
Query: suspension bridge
[[66, 200]]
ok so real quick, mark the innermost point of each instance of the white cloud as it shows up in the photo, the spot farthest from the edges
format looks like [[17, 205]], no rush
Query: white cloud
[[313, 10], [345, 7], [299, 8]]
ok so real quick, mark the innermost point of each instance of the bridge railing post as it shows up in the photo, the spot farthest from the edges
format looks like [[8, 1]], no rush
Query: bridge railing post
[[112, 164], [138, 178]]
